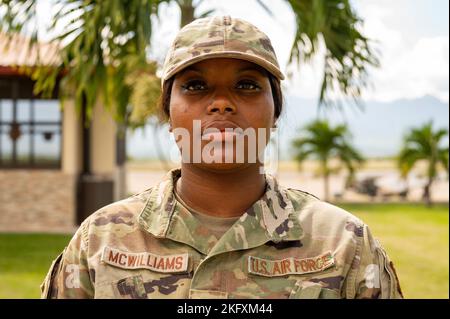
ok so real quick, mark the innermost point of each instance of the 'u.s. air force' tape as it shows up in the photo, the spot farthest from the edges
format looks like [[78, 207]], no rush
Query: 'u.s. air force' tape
[[289, 266], [143, 260]]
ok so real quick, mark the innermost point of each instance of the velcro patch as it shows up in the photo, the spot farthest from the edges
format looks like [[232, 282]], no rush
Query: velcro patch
[[289, 266], [160, 263]]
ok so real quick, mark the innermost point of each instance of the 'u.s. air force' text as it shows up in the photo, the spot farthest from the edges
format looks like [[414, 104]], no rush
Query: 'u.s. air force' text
[[230, 308]]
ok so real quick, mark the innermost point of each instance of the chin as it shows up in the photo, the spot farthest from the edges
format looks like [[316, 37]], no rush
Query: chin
[[223, 167]]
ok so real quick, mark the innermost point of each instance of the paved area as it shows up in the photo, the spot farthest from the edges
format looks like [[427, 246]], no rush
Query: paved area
[[138, 180]]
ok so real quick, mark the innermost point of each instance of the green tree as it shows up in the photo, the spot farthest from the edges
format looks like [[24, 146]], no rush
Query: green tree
[[104, 42], [323, 142], [146, 87], [424, 144]]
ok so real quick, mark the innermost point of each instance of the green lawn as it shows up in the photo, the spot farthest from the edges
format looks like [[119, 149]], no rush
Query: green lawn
[[24, 262], [415, 237]]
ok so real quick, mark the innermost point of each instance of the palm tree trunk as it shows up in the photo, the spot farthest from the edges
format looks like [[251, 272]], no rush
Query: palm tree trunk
[[326, 186], [187, 12], [326, 180], [427, 193], [431, 176]]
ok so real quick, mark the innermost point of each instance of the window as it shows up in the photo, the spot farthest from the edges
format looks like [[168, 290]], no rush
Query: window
[[30, 133]]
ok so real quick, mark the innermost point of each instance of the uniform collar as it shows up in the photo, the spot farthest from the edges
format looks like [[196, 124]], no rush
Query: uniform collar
[[271, 218]]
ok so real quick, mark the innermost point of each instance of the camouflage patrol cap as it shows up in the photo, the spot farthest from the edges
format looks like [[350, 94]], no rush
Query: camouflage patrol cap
[[220, 37]]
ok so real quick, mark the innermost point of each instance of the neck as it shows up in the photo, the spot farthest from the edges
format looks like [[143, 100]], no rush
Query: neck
[[220, 194]]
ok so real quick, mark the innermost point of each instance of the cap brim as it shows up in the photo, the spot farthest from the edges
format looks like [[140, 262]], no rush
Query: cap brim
[[273, 69]]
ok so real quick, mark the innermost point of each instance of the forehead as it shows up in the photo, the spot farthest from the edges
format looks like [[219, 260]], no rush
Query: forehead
[[224, 65]]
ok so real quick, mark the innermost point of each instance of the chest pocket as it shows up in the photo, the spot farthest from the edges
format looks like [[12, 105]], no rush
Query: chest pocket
[[127, 275], [144, 284], [304, 289]]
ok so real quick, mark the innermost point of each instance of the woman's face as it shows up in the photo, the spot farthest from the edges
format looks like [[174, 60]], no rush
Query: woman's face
[[224, 94]]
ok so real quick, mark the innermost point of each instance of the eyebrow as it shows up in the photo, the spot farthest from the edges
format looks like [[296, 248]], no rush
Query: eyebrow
[[191, 68], [255, 68]]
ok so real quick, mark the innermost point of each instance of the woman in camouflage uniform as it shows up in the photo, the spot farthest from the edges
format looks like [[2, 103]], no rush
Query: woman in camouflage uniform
[[221, 229]]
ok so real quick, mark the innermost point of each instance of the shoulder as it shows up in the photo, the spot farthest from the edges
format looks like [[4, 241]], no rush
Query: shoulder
[[317, 216], [118, 217]]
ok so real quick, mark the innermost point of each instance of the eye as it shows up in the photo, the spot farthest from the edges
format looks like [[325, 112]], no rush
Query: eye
[[194, 85], [248, 85]]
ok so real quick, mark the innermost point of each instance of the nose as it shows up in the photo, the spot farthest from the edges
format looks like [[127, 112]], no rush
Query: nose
[[221, 107]]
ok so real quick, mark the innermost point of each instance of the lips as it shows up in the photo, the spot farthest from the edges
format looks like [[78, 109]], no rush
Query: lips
[[220, 125], [226, 128]]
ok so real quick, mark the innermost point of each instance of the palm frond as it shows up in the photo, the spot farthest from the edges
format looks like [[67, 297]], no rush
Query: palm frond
[[348, 53], [422, 143], [321, 140]]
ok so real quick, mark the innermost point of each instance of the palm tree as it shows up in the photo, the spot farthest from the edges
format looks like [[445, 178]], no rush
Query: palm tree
[[424, 144], [103, 42], [324, 142], [187, 10]]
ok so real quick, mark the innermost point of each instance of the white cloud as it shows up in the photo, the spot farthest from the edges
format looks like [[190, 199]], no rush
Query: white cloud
[[415, 71], [411, 66]]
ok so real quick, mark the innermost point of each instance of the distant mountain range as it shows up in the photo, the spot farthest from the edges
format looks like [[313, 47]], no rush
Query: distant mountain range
[[377, 130]]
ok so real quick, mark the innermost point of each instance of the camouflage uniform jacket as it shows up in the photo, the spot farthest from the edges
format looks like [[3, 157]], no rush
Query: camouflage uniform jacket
[[288, 244]]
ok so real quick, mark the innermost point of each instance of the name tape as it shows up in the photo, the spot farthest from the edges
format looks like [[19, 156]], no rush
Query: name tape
[[160, 263], [289, 266]]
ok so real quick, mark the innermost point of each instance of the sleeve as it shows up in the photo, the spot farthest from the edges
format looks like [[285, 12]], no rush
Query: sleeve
[[372, 275], [69, 275]]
